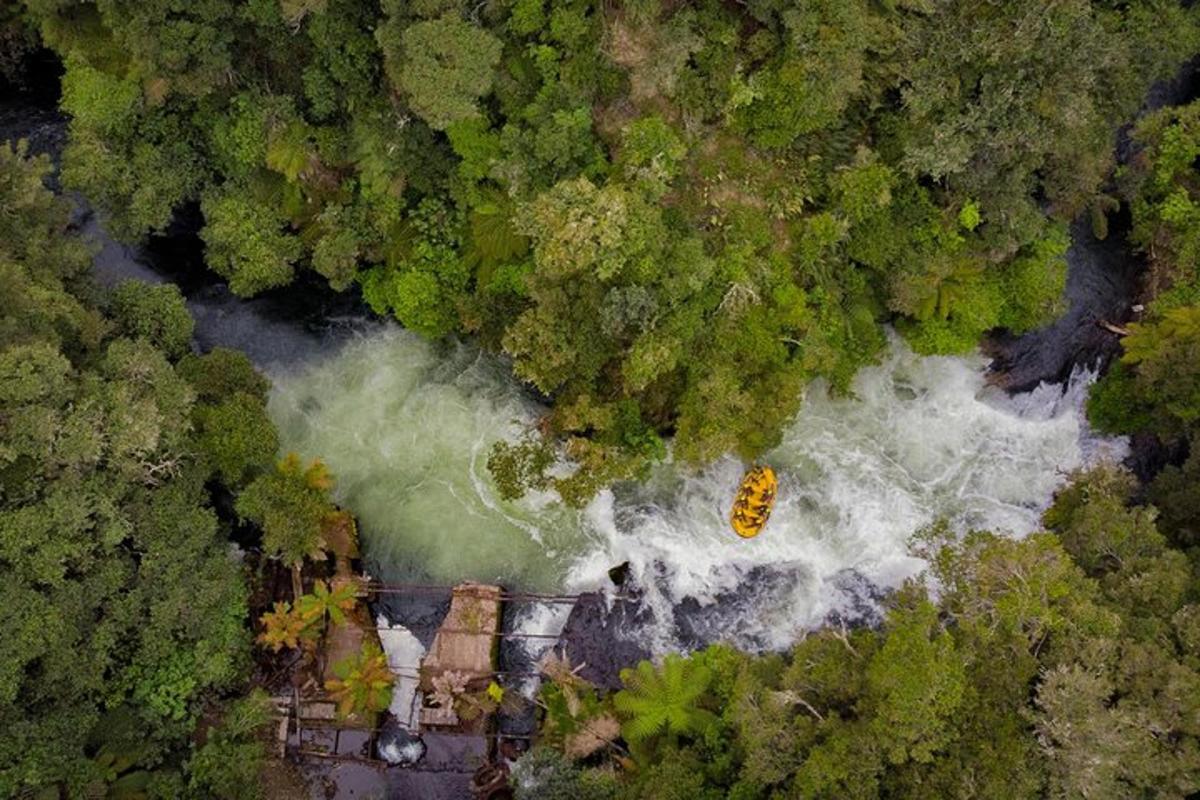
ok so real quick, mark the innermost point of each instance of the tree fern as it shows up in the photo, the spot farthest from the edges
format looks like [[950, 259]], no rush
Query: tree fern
[[664, 700]]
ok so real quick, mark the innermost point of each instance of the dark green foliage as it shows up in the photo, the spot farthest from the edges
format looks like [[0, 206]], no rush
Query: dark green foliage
[[237, 436], [1156, 386], [221, 373], [125, 615], [692, 209], [1176, 493], [227, 765], [545, 774]]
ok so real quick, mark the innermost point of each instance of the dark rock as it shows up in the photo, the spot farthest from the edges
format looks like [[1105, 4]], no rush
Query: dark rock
[[603, 638]]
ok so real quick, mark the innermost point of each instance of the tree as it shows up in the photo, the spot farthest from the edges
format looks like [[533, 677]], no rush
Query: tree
[[229, 763], [285, 626], [444, 65], [125, 615], [238, 438], [664, 701], [154, 312], [246, 244], [325, 602], [291, 504], [1164, 353]]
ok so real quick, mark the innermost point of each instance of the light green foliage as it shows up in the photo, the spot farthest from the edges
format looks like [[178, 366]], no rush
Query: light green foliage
[[664, 701], [1166, 355], [362, 684], [578, 227], [1032, 283], [124, 614], [969, 216], [325, 602], [245, 243], [444, 65], [291, 504], [154, 312], [100, 102], [651, 153]]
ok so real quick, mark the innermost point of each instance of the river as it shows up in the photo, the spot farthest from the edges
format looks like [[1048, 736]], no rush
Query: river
[[406, 425]]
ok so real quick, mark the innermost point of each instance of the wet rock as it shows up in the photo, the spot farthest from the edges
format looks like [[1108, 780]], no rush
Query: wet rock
[[862, 601], [1148, 455], [597, 636]]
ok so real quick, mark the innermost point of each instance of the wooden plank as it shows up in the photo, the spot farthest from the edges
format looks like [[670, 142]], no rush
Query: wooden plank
[[465, 643]]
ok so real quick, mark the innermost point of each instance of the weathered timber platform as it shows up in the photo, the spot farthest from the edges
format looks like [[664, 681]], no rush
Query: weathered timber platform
[[463, 652]]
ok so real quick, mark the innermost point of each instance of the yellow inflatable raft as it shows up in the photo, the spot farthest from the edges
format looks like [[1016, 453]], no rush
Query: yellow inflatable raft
[[754, 501]]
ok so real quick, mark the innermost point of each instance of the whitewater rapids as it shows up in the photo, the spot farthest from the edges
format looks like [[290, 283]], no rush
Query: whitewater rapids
[[406, 427]]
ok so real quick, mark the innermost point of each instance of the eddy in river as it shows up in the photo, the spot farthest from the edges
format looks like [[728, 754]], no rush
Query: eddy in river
[[755, 498]]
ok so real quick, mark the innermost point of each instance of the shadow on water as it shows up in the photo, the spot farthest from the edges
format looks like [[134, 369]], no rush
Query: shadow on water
[[1103, 278], [277, 329]]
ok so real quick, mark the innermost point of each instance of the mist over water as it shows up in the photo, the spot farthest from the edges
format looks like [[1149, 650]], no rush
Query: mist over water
[[406, 427]]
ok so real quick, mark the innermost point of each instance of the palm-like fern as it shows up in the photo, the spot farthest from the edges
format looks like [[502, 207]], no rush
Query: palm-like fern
[[335, 602], [362, 683], [664, 700], [285, 627]]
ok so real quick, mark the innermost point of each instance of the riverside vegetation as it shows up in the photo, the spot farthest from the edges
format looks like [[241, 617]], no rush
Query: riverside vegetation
[[670, 217]]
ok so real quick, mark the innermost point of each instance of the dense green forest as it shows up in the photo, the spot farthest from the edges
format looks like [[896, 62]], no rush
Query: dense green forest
[[1155, 387], [127, 646], [671, 216]]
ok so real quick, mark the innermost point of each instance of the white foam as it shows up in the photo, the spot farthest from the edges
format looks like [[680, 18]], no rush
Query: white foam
[[404, 653], [405, 428]]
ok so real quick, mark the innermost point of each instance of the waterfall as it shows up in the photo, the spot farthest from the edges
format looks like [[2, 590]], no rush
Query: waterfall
[[406, 427]]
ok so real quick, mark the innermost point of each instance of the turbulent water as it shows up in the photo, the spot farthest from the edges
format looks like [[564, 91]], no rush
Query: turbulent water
[[406, 428]]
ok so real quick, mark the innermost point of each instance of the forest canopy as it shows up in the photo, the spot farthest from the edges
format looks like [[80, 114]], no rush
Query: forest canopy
[[670, 216], [125, 612]]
